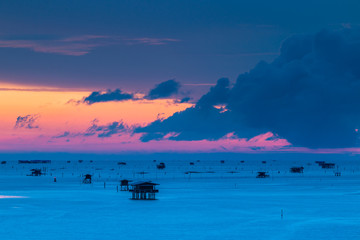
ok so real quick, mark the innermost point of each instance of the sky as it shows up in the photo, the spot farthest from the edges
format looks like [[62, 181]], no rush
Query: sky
[[179, 76]]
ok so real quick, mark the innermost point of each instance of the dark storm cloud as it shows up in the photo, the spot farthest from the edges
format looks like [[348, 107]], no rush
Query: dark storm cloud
[[203, 121], [192, 124], [218, 94], [116, 95], [309, 95], [28, 121], [164, 90]]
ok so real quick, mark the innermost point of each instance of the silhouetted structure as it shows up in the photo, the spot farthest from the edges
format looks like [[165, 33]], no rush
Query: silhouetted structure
[[328, 165], [297, 169], [143, 190], [35, 172], [124, 185], [222, 161], [320, 162], [3, 162], [262, 175], [121, 163], [33, 161], [324, 164], [87, 179], [142, 173], [337, 174], [161, 165]]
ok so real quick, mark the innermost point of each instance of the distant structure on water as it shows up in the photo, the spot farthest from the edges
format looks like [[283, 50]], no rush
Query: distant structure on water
[[35, 172], [33, 161], [328, 165], [143, 190], [262, 175], [323, 164], [297, 169], [160, 165], [87, 179], [124, 185]]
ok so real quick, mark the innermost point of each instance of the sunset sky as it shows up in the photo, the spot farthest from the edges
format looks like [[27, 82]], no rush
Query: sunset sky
[[183, 76]]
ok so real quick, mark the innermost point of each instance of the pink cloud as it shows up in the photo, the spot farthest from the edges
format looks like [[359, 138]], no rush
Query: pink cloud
[[151, 41], [128, 142], [79, 45], [52, 46]]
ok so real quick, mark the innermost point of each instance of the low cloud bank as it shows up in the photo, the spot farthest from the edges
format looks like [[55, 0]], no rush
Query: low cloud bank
[[309, 95]]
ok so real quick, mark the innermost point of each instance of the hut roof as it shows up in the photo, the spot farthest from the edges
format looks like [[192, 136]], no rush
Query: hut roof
[[144, 183]]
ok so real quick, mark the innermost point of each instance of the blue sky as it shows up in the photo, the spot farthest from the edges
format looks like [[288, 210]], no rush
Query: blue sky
[[200, 41]]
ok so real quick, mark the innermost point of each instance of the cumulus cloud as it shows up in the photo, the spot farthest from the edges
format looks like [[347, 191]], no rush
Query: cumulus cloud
[[164, 90], [28, 121], [116, 95], [309, 95], [192, 124], [218, 94]]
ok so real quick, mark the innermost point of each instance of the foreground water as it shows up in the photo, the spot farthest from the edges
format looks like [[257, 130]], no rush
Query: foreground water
[[216, 201]]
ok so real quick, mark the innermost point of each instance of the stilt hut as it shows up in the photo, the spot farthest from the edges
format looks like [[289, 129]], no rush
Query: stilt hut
[[143, 190], [328, 165], [297, 169], [262, 175], [87, 179], [124, 185], [35, 172], [161, 165]]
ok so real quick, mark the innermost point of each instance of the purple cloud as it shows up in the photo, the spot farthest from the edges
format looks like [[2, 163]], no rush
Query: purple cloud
[[77, 45], [116, 95], [28, 121], [151, 41], [102, 131]]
